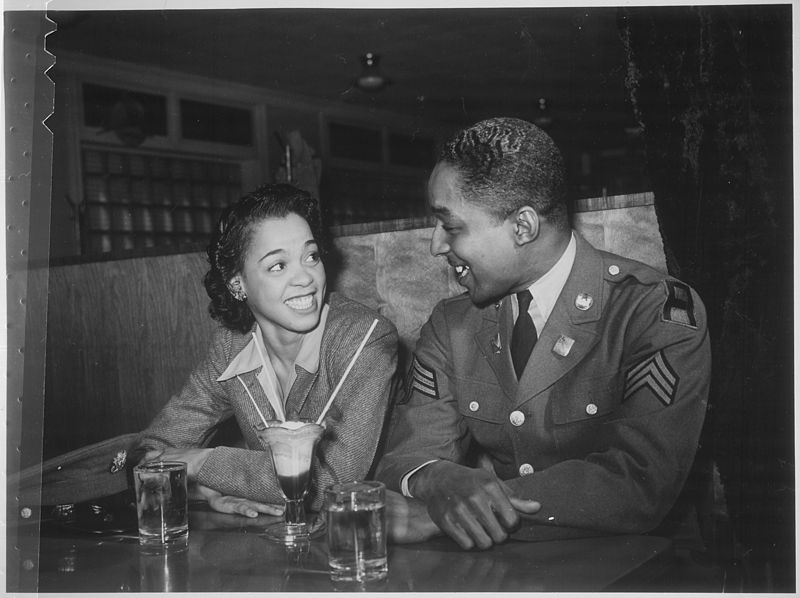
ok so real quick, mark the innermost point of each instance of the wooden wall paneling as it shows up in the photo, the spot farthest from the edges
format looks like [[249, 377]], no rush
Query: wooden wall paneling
[[122, 336]]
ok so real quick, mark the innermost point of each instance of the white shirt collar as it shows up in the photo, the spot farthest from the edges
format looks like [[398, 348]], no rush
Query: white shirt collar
[[546, 289], [249, 358]]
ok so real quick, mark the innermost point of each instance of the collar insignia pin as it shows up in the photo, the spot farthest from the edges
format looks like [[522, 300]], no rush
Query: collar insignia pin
[[496, 344], [563, 345], [583, 301]]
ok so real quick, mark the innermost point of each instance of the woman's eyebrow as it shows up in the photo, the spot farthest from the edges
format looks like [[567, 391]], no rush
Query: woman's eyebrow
[[280, 250], [269, 253]]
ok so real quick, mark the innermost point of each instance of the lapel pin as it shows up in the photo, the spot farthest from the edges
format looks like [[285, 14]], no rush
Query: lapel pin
[[563, 345], [583, 301], [496, 344]]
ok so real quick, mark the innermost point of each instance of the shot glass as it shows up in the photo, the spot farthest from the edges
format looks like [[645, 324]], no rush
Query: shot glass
[[162, 505], [356, 514]]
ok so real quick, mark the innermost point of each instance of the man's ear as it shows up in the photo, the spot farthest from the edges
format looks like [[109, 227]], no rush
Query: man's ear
[[526, 225]]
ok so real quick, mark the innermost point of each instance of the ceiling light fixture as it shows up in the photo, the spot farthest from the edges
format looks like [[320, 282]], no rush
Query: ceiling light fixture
[[371, 78]]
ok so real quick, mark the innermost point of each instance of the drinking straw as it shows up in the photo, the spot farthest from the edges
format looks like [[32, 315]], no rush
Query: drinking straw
[[261, 415], [347, 371], [359, 561], [273, 400]]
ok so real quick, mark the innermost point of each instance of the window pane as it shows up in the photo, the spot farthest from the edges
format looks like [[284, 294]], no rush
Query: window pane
[[115, 109], [140, 200], [407, 150], [212, 122], [356, 143]]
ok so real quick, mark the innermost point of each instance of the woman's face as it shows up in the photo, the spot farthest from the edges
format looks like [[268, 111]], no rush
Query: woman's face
[[283, 275]]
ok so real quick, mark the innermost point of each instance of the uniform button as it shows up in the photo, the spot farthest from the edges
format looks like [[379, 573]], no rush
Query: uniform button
[[613, 269], [591, 408], [473, 406], [517, 418], [525, 469]]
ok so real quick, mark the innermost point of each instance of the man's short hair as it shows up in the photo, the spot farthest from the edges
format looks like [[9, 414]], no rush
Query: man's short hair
[[508, 163]]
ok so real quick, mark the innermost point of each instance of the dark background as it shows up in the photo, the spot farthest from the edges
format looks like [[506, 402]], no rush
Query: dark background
[[707, 91], [712, 87]]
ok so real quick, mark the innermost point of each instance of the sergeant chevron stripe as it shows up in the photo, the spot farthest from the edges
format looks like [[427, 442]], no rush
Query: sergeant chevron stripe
[[423, 379], [656, 374]]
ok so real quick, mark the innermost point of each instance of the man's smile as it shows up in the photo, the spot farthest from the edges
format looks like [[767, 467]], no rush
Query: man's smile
[[461, 271]]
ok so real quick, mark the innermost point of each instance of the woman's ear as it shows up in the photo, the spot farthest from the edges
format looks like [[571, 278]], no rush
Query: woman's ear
[[526, 225]]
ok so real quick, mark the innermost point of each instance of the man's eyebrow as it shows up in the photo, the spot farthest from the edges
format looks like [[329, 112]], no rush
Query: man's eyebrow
[[440, 211]]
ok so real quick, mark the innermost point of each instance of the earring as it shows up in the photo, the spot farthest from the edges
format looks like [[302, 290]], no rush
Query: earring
[[238, 293]]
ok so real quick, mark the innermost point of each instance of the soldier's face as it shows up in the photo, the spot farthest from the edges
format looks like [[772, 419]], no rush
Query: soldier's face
[[479, 247]]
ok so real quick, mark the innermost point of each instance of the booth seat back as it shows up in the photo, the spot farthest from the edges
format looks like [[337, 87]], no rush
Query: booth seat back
[[123, 335]]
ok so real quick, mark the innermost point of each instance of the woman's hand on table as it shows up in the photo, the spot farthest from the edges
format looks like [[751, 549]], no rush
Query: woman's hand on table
[[234, 504], [407, 520], [194, 458]]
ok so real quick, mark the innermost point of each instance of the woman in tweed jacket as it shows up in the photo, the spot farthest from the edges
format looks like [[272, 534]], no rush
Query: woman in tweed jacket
[[283, 345]]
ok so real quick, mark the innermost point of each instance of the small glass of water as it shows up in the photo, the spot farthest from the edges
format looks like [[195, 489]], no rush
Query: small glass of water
[[162, 504], [356, 514]]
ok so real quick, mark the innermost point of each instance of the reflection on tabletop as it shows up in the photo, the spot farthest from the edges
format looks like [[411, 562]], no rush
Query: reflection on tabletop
[[230, 553]]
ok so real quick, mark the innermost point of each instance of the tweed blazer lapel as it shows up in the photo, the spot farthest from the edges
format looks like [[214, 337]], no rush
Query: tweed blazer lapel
[[569, 329], [299, 394]]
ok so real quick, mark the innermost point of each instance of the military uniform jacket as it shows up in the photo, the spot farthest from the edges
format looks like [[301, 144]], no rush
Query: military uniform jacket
[[602, 427], [353, 424]]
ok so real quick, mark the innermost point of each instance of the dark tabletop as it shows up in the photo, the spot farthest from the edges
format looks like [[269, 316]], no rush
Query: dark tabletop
[[228, 553]]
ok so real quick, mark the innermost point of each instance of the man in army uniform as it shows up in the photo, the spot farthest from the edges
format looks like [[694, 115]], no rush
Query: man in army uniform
[[585, 410]]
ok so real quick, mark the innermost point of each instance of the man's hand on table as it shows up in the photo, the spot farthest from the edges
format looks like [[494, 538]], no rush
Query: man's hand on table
[[234, 504], [407, 520], [472, 506]]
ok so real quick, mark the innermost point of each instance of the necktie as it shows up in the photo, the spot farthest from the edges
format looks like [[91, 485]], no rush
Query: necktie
[[523, 338]]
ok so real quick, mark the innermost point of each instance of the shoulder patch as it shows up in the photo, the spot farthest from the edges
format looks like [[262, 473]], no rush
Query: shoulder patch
[[654, 373], [422, 379], [678, 306]]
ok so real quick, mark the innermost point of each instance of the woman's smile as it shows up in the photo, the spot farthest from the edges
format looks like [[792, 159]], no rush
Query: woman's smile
[[303, 303]]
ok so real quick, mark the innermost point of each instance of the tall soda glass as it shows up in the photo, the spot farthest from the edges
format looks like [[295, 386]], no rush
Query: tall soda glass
[[292, 446]]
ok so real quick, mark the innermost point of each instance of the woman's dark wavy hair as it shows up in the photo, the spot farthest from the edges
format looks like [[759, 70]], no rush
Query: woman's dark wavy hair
[[231, 239]]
